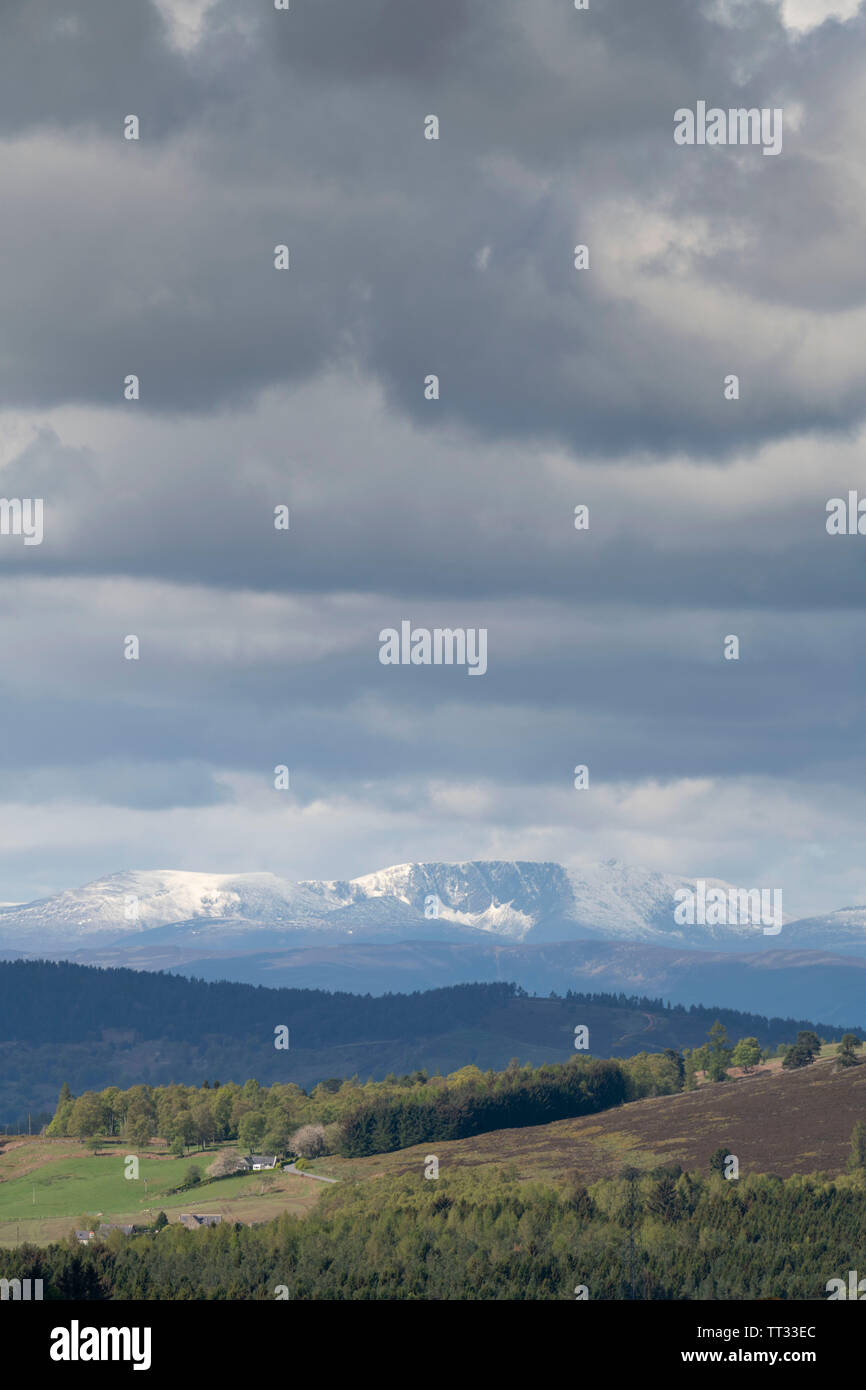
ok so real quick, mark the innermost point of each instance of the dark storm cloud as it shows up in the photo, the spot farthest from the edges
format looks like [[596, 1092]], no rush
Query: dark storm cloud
[[378, 507], [308, 130], [248, 684], [603, 387], [148, 785], [90, 63], [371, 39]]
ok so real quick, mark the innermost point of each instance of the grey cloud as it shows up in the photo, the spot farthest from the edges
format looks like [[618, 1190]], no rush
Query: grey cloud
[[377, 506], [91, 63], [632, 695], [258, 388], [139, 785], [166, 265]]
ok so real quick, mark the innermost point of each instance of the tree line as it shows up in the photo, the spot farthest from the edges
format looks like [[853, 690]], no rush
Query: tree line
[[354, 1119]]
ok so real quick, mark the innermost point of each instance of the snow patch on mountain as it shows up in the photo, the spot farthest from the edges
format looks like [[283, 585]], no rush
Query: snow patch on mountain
[[135, 901], [513, 900]]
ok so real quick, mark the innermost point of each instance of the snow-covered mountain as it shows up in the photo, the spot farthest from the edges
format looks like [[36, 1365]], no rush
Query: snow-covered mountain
[[842, 930], [513, 901]]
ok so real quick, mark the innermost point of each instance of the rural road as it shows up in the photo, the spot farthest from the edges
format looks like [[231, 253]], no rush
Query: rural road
[[290, 1168]]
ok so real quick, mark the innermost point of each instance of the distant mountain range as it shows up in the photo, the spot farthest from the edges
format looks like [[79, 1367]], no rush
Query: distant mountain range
[[523, 902], [547, 927]]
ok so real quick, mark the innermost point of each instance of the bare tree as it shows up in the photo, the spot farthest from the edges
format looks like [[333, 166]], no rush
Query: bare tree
[[225, 1163], [308, 1141]]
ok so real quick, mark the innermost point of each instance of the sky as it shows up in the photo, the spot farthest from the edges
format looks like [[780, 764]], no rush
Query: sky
[[558, 387]]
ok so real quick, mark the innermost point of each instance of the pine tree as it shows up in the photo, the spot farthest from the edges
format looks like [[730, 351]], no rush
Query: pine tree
[[719, 1052], [845, 1056], [857, 1160]]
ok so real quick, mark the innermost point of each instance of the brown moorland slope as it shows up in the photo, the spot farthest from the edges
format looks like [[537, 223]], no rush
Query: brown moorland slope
[[774, 1121]]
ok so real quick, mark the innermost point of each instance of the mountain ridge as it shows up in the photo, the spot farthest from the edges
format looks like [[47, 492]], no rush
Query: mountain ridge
[[512, 900]]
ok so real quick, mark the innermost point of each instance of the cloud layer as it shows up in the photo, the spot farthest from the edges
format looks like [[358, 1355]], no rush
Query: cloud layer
[[305, 388]]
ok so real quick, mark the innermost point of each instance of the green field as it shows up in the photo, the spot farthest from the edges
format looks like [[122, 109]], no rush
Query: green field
[[44, 1197], [73, 1186]]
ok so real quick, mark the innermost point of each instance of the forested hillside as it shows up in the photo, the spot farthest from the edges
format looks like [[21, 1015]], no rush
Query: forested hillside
[[480, 1236], [93, 1028]]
